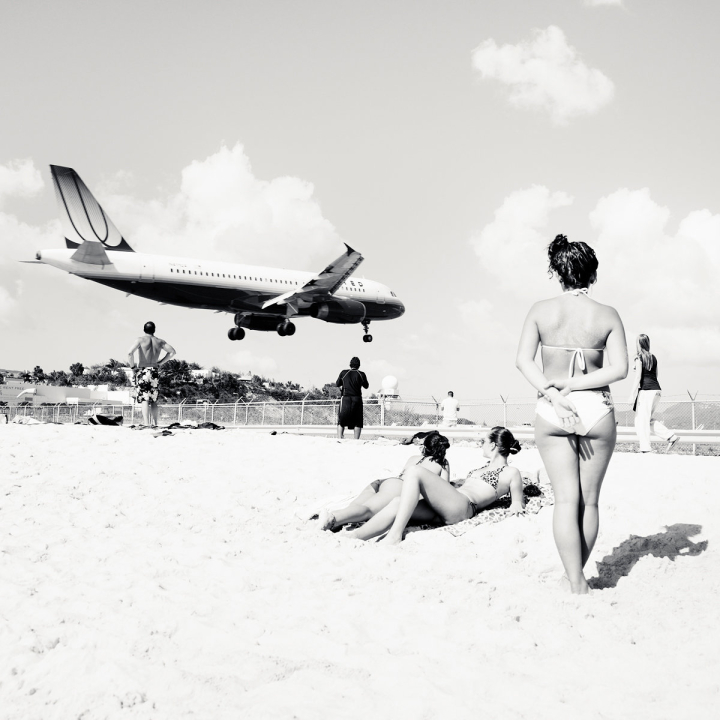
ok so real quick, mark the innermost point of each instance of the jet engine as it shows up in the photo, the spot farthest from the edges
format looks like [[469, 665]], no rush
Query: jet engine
[[339, 310]]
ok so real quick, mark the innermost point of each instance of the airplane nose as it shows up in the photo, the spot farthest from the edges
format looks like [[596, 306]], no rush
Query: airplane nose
[[399, 308]]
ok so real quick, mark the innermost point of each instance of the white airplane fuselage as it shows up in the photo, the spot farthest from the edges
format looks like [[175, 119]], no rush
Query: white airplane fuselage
[[262, 298], [222, 286]]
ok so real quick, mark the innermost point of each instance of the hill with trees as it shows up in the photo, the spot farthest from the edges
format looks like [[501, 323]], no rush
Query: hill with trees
[[181, 380]]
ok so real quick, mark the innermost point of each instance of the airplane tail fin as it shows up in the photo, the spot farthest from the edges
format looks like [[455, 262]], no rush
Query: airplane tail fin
[[83, 218]]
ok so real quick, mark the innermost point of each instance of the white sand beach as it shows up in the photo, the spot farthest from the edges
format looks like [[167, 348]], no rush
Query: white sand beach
[[170, 577]]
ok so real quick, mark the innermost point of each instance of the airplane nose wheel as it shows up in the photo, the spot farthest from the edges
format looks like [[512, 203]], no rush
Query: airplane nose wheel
[[236, 333], [285, 329], [367, 337]]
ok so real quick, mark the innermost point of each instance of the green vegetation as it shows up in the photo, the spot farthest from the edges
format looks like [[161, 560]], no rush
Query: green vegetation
[[181, 380]]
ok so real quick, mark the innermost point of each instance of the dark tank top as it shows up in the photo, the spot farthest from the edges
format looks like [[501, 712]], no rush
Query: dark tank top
[[649, 377]]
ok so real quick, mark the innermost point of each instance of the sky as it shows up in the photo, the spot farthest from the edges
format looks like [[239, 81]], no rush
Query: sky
[[448, 142]]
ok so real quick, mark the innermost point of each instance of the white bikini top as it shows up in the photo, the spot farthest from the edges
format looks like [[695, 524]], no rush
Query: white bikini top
[[578, 353]]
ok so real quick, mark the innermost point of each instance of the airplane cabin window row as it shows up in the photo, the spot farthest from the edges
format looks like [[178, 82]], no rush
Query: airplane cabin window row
[[245, 277]]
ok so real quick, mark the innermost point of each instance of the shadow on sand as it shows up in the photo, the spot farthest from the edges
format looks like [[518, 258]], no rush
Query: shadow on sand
[[673, 542]]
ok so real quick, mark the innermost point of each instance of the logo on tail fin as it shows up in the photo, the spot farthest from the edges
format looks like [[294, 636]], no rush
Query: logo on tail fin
[[83, 218]]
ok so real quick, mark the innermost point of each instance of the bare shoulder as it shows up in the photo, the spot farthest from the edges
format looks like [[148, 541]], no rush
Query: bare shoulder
[[608, 312], [511, 473]]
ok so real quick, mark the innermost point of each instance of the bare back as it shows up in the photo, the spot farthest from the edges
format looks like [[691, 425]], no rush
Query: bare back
[[149, 348], [427, 463], [567, 323]]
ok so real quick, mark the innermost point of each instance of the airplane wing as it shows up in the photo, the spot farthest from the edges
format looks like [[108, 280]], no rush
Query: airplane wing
[[326, 283]]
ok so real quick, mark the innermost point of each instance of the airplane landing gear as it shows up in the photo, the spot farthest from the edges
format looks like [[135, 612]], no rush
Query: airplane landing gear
[[236, 333], [367, 337], [285, 329]]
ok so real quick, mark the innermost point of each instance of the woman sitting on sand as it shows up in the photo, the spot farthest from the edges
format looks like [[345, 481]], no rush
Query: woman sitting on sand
[[583, 350], [380, 492], [444, 502]]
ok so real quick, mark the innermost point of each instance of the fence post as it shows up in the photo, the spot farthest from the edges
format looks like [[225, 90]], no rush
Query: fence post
[[212, 411], [692, 411], [262, 421], [382, 411], [235, 412], [282, 421], [247, 409], [504, 411], [302, 412]]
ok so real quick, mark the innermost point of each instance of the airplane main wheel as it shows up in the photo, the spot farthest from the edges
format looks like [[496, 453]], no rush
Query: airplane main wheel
[[367, 338], [236, 333], [281, 330], [290, 329]]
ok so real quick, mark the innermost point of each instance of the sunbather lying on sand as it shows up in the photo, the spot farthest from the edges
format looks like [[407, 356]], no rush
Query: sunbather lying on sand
[[379, 493], [441, 501]]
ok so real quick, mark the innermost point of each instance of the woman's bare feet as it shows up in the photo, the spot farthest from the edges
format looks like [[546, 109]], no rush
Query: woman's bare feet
[[580, 588], [326, 520], [391, 539]]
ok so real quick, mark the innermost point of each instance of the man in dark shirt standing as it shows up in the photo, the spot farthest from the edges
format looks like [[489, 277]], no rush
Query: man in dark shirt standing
[[351, 382]]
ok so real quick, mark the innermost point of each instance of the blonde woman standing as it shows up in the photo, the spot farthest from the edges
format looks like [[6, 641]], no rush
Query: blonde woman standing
[[646, 397]]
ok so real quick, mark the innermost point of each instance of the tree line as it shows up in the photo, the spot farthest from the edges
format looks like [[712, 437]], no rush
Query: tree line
[[181, 380]]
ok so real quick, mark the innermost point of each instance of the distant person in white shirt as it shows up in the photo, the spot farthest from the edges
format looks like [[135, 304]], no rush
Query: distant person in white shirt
[[450, 407]]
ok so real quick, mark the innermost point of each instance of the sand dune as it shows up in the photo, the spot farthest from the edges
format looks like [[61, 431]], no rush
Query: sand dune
[[170, 577]]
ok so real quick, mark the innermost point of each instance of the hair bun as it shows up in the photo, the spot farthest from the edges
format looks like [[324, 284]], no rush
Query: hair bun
[[559, 243], [515, 448]]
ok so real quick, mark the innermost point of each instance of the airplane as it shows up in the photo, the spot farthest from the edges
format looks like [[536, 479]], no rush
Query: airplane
[[260, 298]]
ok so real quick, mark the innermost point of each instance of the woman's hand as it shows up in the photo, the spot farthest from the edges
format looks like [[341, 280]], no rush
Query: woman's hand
[[517, 508], [564, 408]]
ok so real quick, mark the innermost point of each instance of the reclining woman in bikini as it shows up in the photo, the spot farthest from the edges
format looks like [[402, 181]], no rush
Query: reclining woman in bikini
[[583, 350], [380, 492], [444, 502]]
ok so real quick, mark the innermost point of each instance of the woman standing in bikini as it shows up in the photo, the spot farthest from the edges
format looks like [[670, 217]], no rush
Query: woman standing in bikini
[[583, 351]]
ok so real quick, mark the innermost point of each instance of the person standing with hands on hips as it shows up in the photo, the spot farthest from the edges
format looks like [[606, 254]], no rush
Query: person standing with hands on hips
[[351, 382]]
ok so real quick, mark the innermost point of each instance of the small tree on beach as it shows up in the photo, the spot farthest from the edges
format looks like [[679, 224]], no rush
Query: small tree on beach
[[77, 369], [37, 374]]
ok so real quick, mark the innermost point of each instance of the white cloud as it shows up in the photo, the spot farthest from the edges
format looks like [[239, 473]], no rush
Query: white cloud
[[514, 245], [545, 73], [246, 361], [19, 178], [662, 283], [7, 303], [657, 279], [222, 211]]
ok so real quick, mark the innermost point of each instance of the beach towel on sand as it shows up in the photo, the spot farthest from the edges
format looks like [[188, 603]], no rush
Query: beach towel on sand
[[498, 511]]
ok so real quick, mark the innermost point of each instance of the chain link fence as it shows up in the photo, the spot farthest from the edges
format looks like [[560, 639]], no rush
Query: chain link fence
[[675, 414]]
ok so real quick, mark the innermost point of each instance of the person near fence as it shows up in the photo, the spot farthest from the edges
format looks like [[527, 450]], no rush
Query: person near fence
[[379, 493], [645, 398], [427, 498], [583, 351], [350, 414], [146, 375], [450, 407]]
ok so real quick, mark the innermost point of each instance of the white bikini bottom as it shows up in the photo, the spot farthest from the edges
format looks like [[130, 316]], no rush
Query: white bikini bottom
[[591, 405]]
